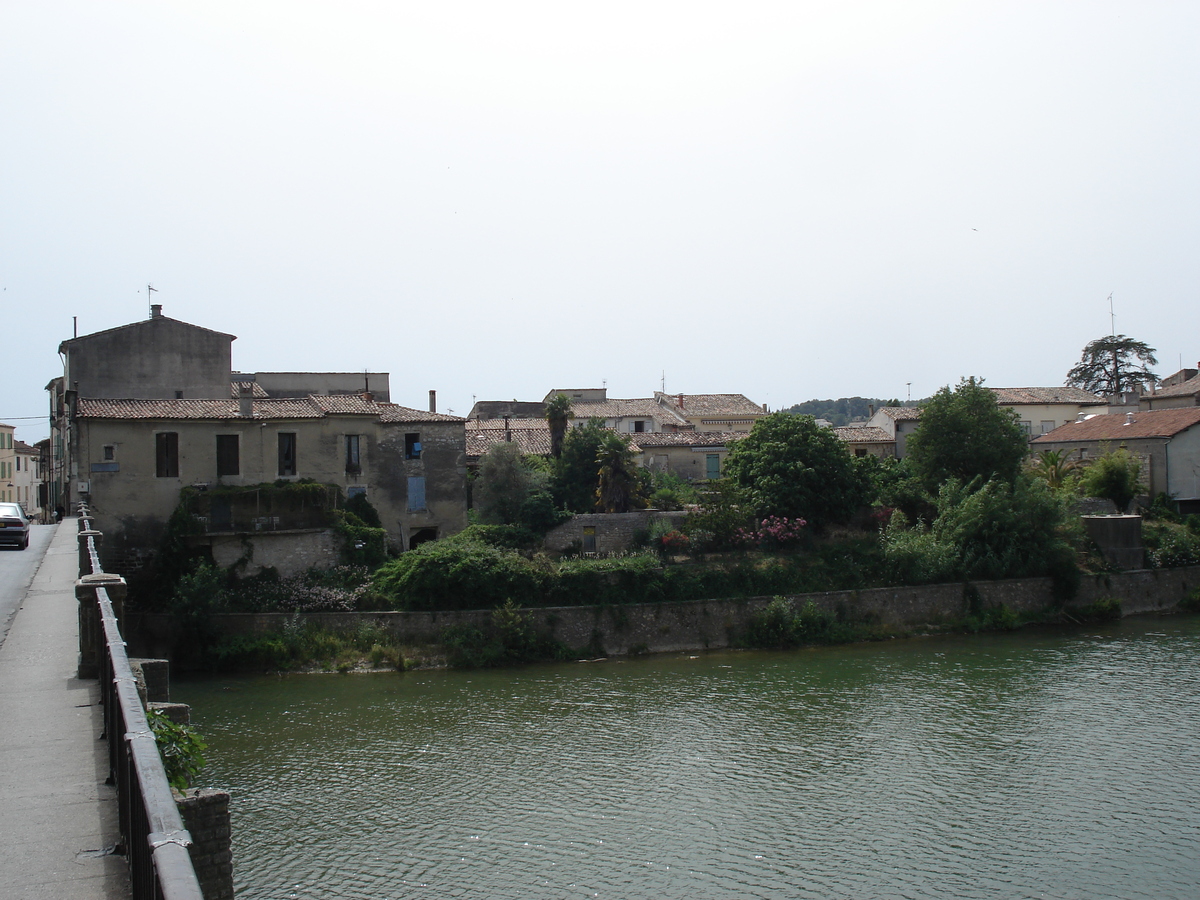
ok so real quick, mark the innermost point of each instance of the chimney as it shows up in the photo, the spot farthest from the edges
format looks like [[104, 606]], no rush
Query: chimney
[[433, 401], [1129, 420], [507, 432], [870, 410], [246, 400], [156, 310], [681, 401]]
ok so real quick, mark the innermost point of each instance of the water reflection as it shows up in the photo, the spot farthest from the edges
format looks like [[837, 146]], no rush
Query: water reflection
[[1032, 765]]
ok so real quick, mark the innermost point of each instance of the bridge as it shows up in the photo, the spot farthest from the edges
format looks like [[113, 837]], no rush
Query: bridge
[[81, 818]]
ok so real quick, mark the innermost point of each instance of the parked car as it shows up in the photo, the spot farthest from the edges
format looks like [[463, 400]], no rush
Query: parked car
[[14, 525]]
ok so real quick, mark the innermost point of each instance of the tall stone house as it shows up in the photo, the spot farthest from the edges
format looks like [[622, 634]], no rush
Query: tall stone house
[[146, 409]]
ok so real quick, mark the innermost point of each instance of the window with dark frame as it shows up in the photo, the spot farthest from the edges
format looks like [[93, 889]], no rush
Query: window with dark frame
[[110, 452], [353, 454], [412, 446], [287, 454], [166, 454], [228, 462]]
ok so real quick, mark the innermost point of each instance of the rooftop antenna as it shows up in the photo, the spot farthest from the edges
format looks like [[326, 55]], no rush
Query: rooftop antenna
[[664, 381], [1112, 318], [75, 325], [909, 383]]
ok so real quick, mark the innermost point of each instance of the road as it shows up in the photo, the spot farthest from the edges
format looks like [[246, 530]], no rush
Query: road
[[17, 568]]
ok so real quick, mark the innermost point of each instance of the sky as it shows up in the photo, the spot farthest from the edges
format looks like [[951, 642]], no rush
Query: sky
[[787, 200]]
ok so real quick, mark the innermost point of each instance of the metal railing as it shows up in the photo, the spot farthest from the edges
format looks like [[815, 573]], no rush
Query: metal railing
[[155, 841]]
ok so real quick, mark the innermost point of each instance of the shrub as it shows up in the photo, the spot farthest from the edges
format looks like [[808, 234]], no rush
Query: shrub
[[1170, 544], [181, 747], [773, 533], [509, 639], [460, 575], [780, 626], [1113, 476]]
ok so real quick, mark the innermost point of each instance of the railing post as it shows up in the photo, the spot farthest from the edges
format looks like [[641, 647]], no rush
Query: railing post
[[85, 550], [91, 632]]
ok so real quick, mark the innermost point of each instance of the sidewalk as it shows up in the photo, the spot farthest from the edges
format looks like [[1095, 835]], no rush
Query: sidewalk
[[57, 817]]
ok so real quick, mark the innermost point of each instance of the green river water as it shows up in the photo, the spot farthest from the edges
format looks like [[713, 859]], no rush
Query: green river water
[[1038, 764]]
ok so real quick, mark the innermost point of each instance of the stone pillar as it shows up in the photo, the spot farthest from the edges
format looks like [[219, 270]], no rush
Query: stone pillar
[[153, 678], [91, 633], [85, 558], [205, 814]]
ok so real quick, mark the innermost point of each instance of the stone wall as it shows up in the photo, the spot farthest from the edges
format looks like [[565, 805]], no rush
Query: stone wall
[[614, 531], [205, 815], [711, 624], [288, 552]]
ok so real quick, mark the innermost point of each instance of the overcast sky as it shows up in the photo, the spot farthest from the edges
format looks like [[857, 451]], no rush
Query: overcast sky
[[788, 200]]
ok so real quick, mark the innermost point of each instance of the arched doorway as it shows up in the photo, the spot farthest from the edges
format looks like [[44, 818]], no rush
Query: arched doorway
[[421, 536]]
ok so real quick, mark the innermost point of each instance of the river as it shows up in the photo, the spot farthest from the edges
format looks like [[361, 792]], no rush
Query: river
[[1038, 764]]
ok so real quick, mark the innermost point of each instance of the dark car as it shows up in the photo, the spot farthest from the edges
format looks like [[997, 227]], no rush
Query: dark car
[[14, 525]]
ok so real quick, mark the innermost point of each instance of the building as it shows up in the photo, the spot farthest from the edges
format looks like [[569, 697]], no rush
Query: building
[[865, 440], [1179, 390], [27, 479], [128, 444], [1040, 410], [1167, 441], [8, 462], [897, 422], [692, 455], [713, 412]]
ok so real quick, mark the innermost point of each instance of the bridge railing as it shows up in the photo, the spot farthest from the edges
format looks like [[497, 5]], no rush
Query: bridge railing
[[155, 840]]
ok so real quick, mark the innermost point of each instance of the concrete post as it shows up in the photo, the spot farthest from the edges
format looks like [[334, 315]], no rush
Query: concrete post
[[91, 634], [85, 558]]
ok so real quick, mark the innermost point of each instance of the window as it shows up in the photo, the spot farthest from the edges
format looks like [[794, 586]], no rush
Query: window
[[166, 454], [860, 451], [416, 493], [287, 453], [228, 462], [1027, 427], [1047, 426], [353, 460], [589, 539], [638, 426], [179, 395], [712, 466], [110, 452], [412, 446], [18, 464]]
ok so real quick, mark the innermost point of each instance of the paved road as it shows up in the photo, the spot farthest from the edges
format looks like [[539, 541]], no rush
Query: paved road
[[17, 568]]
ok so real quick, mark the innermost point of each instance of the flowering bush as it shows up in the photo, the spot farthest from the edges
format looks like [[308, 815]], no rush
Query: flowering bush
[[773, 532], [676, 540]]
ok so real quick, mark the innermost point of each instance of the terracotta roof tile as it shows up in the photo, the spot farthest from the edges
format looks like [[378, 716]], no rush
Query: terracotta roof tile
[[256, 391], [1044, 395], [1151, 424], [480, 440], [901, 413], [648, 440], [643, 408], [862, 434], [272, 408], [711, 404], [1183, 389]]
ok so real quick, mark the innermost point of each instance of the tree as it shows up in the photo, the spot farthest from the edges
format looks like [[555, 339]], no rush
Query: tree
[[1111, 364], [1056, 468], [618, 476], [1114, 476], [575, 472], [504, 483], [790, 466], [963, 434], [558, 414]]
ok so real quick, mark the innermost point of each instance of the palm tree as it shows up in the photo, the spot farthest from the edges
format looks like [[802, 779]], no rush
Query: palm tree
[[558, 413], [618, 474], [1055, 467]]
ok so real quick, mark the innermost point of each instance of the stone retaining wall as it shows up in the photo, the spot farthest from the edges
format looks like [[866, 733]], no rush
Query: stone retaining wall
[[710, 624]]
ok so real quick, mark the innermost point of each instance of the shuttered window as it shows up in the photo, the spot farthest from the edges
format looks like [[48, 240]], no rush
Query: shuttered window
[[228, 462], [166, 454], [416, 492]]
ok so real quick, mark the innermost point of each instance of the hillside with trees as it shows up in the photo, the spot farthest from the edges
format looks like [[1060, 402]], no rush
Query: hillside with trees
[[842, 411]]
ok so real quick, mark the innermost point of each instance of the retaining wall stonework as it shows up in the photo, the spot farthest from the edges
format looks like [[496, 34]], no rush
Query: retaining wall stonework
[[711, 624], [205, 815]]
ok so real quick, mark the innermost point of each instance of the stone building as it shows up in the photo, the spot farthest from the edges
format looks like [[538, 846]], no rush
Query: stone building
[[128, 442]]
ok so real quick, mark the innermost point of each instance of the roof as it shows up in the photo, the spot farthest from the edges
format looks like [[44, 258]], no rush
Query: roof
[[1045, 395], [862, 434], [900, 413], [642, 408], [648, 440], [528, 440], [1183, 389], [1158, 423], [710, 404], [143, 323], [256, 390], [495, 409], [22, 447], [311, 407], [513, 424]]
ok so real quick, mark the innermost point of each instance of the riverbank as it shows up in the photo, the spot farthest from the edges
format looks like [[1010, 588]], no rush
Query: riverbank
[[639, 628]]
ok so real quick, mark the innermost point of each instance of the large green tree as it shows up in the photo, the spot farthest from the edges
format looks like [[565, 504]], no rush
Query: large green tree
[[1116, 476], [576, 472], [618, 489], [790, 466], [1113, 364], [963, 434]]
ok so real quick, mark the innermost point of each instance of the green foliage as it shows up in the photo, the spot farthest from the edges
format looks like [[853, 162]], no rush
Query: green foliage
[[668, 491], [892, 484], [780, 626], [304, 645], [510, 537], [1170, 544], [361, 507], [198, 596], [1000, 530], [181, 747], [510, 639], [514, 489], [461, 575], [1057, 469], [1191, 603], [724, 511], [1106, 609], [558, 417], [790, 466], [362, 545], [1112, 364], [576, 473], [1114, 475], [964, 435], [619, 487], [842, 411]]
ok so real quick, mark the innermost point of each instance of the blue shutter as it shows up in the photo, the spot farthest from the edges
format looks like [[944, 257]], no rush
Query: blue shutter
[[416, 492]]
